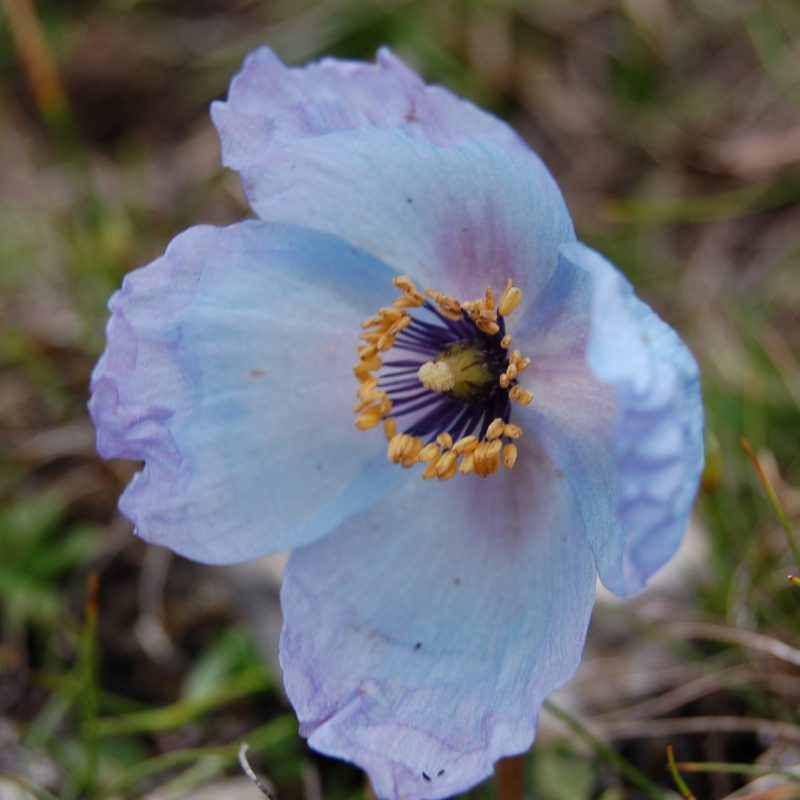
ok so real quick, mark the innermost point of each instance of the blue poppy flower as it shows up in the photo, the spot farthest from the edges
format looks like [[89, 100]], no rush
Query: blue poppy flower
[[413, 260]]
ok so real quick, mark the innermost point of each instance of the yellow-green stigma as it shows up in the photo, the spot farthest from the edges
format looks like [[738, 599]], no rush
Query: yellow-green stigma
[[462, 371]]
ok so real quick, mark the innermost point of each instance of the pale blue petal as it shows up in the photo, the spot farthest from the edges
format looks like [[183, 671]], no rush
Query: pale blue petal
[[422, 636], [270, 104], [573, 414], [228, 372], [457, 218], [655, 437]]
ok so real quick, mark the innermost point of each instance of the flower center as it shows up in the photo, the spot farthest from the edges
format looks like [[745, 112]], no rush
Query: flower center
[[463, 370], [452, 385]]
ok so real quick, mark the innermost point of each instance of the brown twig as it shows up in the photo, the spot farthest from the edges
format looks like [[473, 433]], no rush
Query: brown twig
[[37, 60]]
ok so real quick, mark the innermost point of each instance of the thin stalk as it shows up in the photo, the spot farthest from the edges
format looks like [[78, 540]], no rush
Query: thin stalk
[[686, 792], [754, 770], [773, 498], [88, 679]]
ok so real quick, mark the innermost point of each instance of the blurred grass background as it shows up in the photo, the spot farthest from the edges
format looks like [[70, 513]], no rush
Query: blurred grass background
[[673, 127]]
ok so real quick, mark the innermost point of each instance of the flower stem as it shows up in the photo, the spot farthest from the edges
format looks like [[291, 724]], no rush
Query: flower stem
[[509, 778]]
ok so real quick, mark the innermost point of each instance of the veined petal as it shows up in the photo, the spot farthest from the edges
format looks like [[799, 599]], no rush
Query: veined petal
[[459, 218], [654, 452], [421, 648], [228, 372], [270, 104]]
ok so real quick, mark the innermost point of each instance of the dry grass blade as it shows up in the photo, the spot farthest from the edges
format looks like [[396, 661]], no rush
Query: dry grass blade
[[746, 639], [248, 770]]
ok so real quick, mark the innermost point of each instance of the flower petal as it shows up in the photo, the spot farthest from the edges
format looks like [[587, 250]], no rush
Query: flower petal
[[458, 218], [421, 647], [573, 415], [270, 104], [228, 371], [644, 459]]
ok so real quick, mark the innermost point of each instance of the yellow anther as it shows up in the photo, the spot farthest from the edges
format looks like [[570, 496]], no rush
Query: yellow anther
[[523, 364], [404, 301], [371, 337], [367, 387], [368, 420], [488, 298], [511, 371], [365, 367], [366, 351], [389, 428], [467, 464], [393, 450], [404, 283], [370, 399], [486, 458], [399, 325], [430, 452], [371, 321], [504, 381], [515, 357], [505, 342], [484, 315], [489, 328], [520, 395], [512, 431], [510, 455], [465, 445], [445, 440], [385, 342], [448, 305], [374, 362], [385, 407], [410, 294], [509, 300], [414, 446], [436, 376], [391, 313], [495, 430], [429, 471], [493, 448], [362, 371], [409, 445], [403, 448], [412, 451], [446, 465], [453, 315], [384, 317]]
